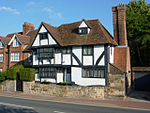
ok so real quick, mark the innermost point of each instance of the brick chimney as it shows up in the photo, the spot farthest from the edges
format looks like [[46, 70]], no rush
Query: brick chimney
[[119, 24], [122, 51], [27, 27]]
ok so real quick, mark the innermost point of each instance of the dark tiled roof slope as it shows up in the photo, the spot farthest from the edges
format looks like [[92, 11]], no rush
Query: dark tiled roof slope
[[97, 35], [67, 34], [5, 39]]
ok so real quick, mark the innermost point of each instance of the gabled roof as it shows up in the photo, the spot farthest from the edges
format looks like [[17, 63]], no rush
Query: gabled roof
[[2, 39], [24, 39], [97, 35], [67, 34], [5, 39]]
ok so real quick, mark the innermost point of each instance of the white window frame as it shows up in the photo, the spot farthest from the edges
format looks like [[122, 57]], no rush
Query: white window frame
[[16, 43], [15, 57], [1, 44], [29, 57], [1, 69], [1, 57]]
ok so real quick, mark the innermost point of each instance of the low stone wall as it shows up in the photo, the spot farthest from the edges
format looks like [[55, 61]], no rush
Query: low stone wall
[[8, 85], [116, 85], [63, 91]]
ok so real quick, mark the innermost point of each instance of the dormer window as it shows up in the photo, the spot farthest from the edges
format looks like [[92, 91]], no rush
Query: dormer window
[[83, 30]]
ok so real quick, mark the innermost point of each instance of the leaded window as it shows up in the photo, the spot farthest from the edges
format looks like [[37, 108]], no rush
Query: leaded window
[[87, 50], [83, 30], [15, 57], [43, 36], [45, 53], [1, 57], [66, 50], [47, 72], [93, 73]]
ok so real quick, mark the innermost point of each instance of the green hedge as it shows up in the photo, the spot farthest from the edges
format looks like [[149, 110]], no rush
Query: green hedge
[[27, 74], [2, 76], [12, 72]]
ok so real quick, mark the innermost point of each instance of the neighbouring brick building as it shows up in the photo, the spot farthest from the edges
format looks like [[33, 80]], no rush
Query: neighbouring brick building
[[14, 48]]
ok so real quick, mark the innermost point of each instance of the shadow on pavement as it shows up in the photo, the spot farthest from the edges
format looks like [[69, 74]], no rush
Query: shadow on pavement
[[9, 109], [140, 95]]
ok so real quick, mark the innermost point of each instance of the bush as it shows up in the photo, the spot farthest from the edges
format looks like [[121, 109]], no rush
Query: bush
[[12, 72], [27, 74], [2, 76]]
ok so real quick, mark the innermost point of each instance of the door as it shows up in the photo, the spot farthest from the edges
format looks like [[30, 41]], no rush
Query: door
[[19, 83], [68, 75]]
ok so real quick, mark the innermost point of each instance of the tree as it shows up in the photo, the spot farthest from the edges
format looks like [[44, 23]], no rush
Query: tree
[[138, 31]]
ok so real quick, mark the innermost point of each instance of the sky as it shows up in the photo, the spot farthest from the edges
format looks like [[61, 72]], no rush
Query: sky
[[13, 13]]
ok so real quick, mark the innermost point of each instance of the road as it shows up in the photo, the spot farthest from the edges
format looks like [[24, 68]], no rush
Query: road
[[20, 105]]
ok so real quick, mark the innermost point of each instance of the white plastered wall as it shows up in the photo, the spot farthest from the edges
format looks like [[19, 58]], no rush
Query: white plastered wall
[[78, 53], [76, 73], [98, 50]]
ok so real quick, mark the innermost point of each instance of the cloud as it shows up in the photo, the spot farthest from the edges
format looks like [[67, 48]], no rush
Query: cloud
[[31, 3], [53, 14], [49, 10], [14, 11]]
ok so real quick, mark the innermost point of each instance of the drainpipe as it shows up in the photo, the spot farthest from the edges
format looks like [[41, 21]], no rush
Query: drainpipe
[[8, 47]]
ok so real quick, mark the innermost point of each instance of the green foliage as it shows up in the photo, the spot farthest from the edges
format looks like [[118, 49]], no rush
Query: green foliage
[[27, 74], [2, 76], [138, 30], [12, 72]]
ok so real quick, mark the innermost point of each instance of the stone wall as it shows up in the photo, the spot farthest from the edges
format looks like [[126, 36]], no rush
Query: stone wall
[[116, 85], [8, 85], [116, 88], [63, 91]]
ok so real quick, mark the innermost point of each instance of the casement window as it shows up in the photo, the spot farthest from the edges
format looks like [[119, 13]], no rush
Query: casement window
[[45, 53], [47, 72], [1, 57], [83, 30], [93, 73], [57, 50], [87, 50], [43, 36], [16, 43], [15, 57], [66, 50]]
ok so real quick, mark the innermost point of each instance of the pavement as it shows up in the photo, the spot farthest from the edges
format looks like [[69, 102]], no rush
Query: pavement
[[128, 103]]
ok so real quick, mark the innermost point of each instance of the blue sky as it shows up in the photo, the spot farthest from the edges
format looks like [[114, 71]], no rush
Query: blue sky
[[13, 13]]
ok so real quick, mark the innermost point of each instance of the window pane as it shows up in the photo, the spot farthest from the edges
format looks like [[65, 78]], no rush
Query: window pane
[[99, 73], [89, 50], [102, 74], [85, 50]]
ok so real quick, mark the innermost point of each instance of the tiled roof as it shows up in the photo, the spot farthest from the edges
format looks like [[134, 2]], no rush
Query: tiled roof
[[5, 40], [97, 35], [67, 34]]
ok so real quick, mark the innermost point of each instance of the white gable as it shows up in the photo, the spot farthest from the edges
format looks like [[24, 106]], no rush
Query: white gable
[[16, 42], [83, 24], [49, 41], [42, 30]]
